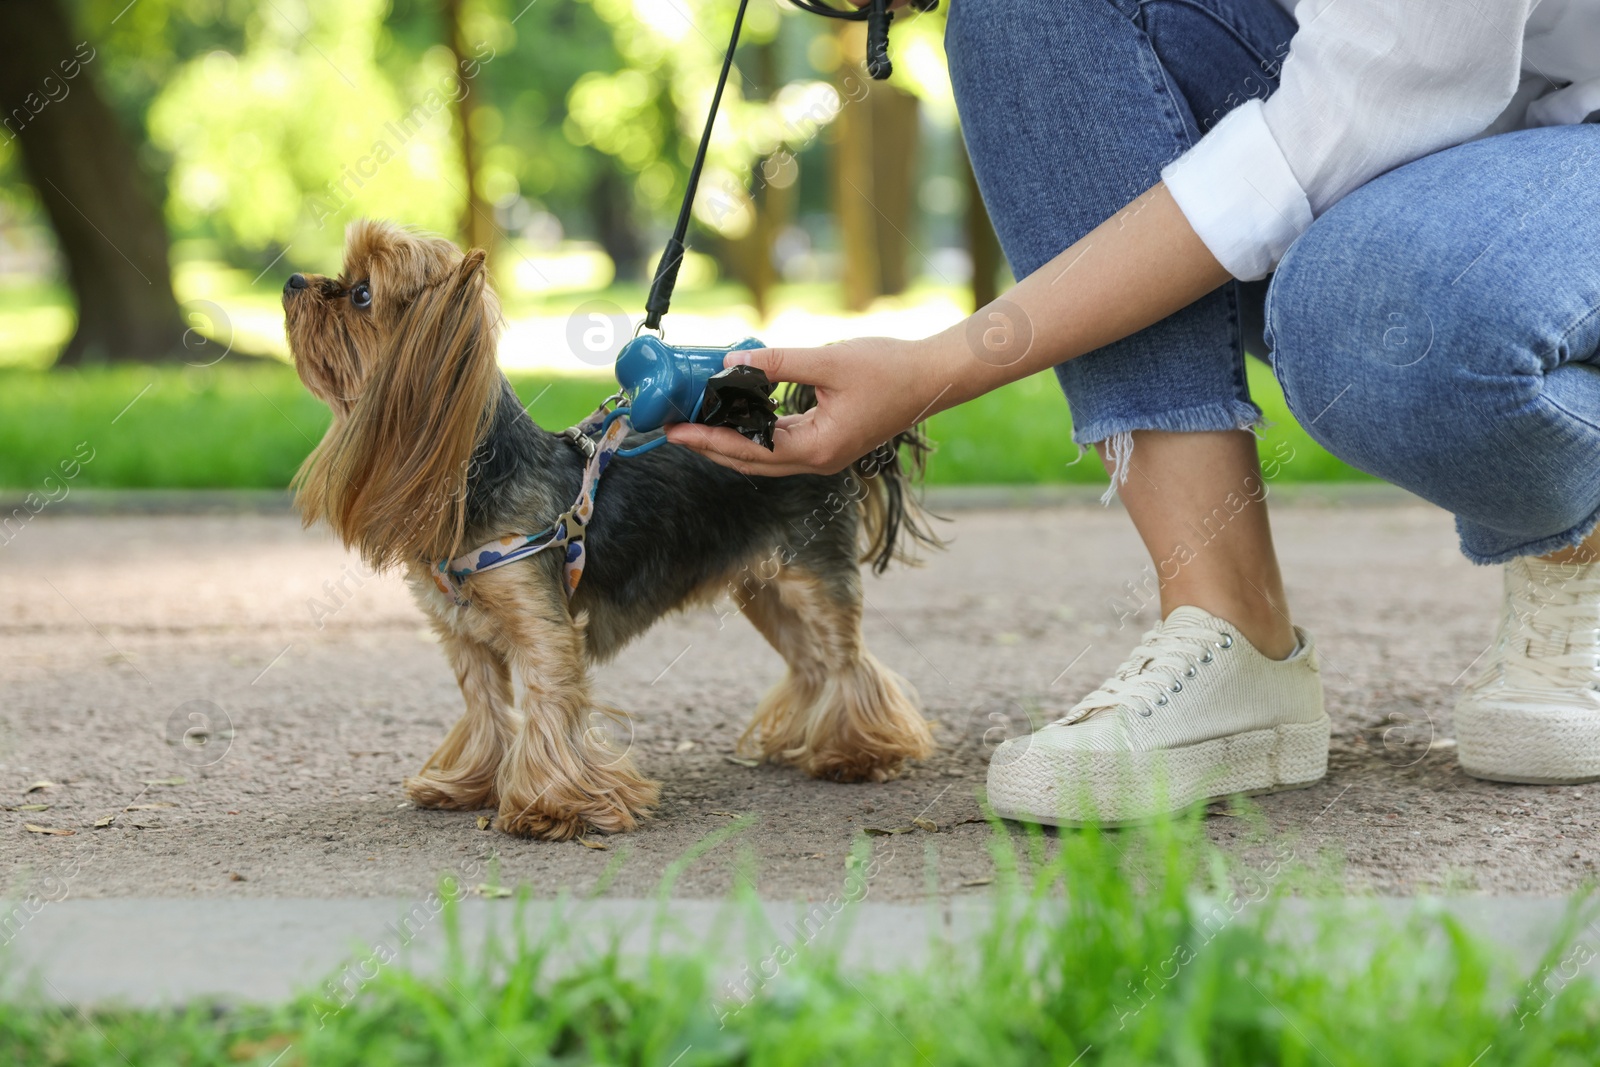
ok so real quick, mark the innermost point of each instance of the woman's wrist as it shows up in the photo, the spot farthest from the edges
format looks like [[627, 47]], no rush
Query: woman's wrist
[[992, 347], [1138, 267]]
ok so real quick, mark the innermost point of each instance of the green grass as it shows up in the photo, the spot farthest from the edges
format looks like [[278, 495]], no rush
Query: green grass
[[1099, 953], [248, 424]]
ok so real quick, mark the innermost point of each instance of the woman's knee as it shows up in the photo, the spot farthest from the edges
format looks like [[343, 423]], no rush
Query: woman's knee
[[1393, 383], [992, 41], [1317, 322]]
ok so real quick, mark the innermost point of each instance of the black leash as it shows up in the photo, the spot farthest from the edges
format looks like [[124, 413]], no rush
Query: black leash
[[876, 15]]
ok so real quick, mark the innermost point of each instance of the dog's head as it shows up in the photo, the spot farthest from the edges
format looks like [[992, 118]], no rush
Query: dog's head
[[401, 346]]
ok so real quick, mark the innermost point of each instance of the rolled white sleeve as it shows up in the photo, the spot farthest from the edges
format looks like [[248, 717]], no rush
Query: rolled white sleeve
[[1240, 194], [1367, 86]]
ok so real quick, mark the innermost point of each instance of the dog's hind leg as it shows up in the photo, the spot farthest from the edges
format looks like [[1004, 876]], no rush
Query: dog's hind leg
[[559, 778], [461, 772], [839, 713]]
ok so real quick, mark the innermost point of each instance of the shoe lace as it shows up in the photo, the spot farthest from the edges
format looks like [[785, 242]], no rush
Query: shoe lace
[[1550, 634], [1166, 659]]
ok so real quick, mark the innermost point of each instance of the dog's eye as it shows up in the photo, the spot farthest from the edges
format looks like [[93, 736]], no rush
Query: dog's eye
[[361, 295]]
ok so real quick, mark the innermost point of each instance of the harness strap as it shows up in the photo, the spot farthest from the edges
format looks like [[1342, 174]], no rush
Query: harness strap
[[568, 531]]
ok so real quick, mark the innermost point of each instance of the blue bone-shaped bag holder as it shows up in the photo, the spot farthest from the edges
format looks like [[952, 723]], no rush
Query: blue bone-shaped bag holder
[[666, 383]]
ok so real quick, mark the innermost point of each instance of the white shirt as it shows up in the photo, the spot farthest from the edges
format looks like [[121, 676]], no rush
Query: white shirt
[[1369, 85]]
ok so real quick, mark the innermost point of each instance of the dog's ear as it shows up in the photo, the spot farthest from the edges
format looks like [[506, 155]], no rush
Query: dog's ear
[[391, 478]]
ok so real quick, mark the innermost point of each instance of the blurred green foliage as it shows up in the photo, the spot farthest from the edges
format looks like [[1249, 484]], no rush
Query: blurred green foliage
[[241, 425], [267, 126]]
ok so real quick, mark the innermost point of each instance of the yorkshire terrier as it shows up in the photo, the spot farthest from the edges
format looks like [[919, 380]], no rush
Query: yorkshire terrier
[[430, 452]]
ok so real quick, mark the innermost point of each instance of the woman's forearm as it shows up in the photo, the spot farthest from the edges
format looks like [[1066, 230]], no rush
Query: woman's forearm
[[1135, 269]]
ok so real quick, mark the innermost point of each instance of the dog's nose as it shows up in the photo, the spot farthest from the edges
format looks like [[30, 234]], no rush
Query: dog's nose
[[296, 281]]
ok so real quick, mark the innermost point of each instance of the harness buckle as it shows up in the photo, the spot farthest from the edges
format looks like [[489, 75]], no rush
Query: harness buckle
[[583, 441], [574, 527]]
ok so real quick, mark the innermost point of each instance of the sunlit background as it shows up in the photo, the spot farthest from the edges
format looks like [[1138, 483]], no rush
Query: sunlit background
[[260, 129], [166, 164]]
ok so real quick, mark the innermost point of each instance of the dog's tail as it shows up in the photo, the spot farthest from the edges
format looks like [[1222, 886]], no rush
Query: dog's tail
[[893, 520]]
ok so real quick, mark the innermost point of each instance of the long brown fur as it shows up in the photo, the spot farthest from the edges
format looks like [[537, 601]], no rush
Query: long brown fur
[[390, 477], [839, 713], [418, 435]]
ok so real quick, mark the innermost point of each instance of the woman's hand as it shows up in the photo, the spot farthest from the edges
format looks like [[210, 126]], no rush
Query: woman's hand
[[868, 390], [1136, 268]]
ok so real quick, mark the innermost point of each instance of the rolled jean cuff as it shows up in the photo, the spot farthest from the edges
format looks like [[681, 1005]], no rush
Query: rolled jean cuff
[[1228, 415], [1479, 545]]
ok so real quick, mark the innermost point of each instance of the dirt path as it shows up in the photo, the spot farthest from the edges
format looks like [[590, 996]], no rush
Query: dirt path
[[116, 630]]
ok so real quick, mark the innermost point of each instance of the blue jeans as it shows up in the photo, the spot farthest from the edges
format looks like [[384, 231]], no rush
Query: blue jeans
[[1439, 327]]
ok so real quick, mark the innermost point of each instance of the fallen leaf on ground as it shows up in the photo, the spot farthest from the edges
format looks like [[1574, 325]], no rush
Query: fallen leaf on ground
[[725, 814], [586, 843], [30, 807], [105, 820], [32, 829], [483, 822], [249, 1050], [925, 824], [741, 761], [166, 781], [878, 831], [494, 892], [973, 883], [684, 746], [39, 787]]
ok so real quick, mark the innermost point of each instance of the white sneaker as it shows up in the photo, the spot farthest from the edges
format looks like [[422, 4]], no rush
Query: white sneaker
[[1533, 715], [1195, 713]]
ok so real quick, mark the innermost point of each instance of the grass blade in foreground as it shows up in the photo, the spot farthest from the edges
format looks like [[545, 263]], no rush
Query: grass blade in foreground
[[1138, 947]]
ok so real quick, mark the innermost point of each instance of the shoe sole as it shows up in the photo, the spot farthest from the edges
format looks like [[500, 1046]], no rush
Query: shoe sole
[[1526, 747], [1124, 788]]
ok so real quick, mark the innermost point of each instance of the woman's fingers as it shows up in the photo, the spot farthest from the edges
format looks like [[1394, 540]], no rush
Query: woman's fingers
[[731, 449], [803, 366], [797, 447], [867, 390]]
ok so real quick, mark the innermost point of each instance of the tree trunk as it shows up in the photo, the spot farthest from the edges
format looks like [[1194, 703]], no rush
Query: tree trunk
[[611, 209], [875, 155], [107, 224], [894, 183], [772, 195], [477, 216], [982, 244]]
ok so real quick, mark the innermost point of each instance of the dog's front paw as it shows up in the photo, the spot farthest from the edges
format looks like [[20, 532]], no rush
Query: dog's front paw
[[608, 798]]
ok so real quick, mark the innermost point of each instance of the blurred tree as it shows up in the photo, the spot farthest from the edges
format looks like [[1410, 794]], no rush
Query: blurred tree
[[982, 244], [874, 167], [279, 144], [648, 115], [477, 219], [528, 166], [84, 171], [772, 194]]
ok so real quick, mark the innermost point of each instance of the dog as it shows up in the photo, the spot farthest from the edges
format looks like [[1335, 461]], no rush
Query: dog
[[430, 453]]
